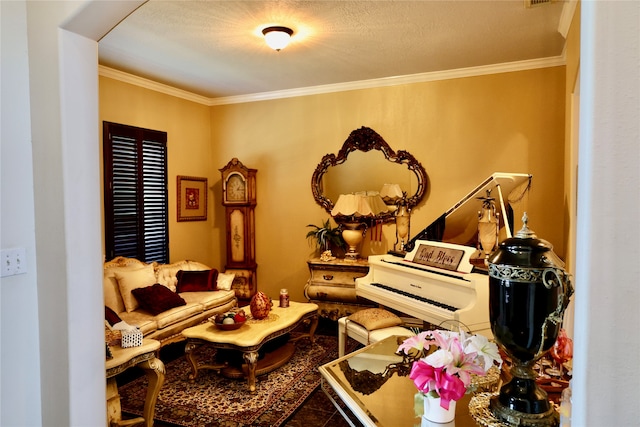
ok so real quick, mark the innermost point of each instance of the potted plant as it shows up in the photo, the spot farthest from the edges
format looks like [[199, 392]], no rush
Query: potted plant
[[326, 237]]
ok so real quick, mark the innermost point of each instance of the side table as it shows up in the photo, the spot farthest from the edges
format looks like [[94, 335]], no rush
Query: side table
[[332, 285], [123, 358]]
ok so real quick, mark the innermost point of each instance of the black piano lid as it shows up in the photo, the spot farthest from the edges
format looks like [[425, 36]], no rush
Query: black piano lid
[[459, 224]]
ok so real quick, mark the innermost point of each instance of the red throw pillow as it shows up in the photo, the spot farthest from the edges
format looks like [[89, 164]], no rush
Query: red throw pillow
[[197, 280], [157, 298], [111, 316]]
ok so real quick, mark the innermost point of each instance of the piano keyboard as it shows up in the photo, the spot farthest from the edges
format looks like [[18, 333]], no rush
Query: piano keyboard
[[416, 297], [425, 295]]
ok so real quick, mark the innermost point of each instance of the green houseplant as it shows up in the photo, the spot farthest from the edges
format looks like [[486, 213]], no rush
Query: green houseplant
[[325, 237]]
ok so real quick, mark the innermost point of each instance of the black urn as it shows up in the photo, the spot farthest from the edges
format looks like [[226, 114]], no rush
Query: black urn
[[528, 293]]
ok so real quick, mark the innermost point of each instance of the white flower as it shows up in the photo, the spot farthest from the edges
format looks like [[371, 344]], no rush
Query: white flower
[[486, 350], [439, 358]]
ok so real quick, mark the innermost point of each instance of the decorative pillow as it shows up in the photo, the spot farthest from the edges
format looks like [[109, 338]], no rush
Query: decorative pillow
[[111, 290], [225, 280], [157, 298], [196, 281], [166, 273], [111, 316], [129, 280], [375, 318]]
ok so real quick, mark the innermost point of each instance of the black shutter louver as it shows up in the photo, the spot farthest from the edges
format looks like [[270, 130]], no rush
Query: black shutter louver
[[136, 211]]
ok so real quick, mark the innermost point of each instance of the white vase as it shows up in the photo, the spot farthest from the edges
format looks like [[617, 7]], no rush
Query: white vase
[[434, 413]]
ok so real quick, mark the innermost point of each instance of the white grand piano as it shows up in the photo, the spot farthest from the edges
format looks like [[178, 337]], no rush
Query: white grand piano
[[437, 280]]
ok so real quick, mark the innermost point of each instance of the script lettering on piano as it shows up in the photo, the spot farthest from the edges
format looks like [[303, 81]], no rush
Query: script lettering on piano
[[441, 256], [438, 256]]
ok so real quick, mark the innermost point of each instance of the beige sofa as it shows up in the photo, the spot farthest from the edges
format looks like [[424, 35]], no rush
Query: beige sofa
[[122, 275]]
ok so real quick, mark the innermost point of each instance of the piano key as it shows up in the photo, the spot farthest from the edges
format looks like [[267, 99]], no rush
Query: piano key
[[416, 297]]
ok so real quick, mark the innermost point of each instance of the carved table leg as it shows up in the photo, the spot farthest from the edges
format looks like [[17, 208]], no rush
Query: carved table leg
[[312, 329], [154, 369], [251, 358], [188, 353]]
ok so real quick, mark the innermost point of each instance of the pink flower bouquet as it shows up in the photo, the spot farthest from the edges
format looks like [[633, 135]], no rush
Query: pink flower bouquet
[[446, 372]]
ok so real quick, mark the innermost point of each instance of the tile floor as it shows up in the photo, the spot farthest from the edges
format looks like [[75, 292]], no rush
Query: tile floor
[[318, 411]]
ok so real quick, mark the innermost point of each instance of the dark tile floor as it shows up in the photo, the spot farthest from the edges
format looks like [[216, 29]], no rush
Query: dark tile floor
[[318, 411]]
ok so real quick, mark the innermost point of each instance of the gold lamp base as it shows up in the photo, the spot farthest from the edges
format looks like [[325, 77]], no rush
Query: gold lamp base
[[353, 234]]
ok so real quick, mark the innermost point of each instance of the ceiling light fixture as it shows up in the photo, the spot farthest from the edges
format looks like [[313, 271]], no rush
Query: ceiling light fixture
[[277, 37]]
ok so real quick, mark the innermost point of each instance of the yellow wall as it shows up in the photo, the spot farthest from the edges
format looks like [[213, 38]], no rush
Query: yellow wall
[[189, 153], [461, 130]]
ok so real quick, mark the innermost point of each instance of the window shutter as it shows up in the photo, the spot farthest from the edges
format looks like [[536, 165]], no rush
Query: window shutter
[[135, 171], [156, 232]]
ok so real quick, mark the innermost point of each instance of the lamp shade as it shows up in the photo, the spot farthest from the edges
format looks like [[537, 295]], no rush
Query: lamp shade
[[359, 205], [391, 193], [277, 37]]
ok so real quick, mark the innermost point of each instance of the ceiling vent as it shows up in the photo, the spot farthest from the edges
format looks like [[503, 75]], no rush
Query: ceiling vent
[[534, 3]]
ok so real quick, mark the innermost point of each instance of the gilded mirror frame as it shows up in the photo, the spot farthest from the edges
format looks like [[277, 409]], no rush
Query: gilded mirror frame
[[366, 139]]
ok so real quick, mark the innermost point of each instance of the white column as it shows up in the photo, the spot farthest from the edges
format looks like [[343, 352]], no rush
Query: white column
[[606, 380]]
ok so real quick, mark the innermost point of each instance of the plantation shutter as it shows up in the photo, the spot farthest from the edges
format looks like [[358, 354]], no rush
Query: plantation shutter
[[136, 207]]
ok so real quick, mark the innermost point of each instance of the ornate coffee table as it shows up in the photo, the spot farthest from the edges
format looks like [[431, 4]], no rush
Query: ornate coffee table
[[250, 338]]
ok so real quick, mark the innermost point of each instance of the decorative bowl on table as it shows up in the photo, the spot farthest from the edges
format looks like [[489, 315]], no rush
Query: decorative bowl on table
[[230, 320]]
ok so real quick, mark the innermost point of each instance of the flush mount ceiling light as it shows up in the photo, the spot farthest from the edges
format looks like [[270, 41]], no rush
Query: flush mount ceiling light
[[277, 37]]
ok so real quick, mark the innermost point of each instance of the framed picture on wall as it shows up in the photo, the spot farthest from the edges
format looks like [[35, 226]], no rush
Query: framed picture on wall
[[192, 198]]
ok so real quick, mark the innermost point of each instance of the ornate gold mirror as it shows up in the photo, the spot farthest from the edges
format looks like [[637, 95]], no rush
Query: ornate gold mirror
[[372, 163]]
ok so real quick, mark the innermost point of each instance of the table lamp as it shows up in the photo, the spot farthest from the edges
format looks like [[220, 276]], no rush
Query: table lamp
[[391, 193], [353, 212]]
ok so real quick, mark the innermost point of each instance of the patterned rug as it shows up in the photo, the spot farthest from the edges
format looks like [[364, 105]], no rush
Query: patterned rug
[[212, 400]]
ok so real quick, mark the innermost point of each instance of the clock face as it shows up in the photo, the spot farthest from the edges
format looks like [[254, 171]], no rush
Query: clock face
[[236, 189]]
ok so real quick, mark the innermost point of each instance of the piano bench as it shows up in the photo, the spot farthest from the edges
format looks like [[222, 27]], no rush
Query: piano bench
[[363, 335]]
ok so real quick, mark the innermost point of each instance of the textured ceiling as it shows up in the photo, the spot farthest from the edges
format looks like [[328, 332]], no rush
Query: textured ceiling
[[215, 48]]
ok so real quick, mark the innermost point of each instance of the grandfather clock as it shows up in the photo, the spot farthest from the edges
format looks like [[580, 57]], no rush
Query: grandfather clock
[[239, 201]]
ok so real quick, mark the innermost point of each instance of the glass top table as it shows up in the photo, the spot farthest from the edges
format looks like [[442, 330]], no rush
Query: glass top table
[[377, 400]]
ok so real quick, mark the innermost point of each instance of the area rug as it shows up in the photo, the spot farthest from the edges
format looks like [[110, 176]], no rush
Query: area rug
[[212, 400]]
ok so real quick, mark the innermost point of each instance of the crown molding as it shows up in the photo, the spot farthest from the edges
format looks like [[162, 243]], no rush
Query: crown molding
[[338, 87], [151, 85]]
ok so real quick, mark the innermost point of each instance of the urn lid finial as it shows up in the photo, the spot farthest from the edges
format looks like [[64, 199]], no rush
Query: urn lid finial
[[525, 232], [525, 250]]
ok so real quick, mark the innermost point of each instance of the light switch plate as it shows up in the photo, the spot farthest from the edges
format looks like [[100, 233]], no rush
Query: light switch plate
[[12, 262]]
